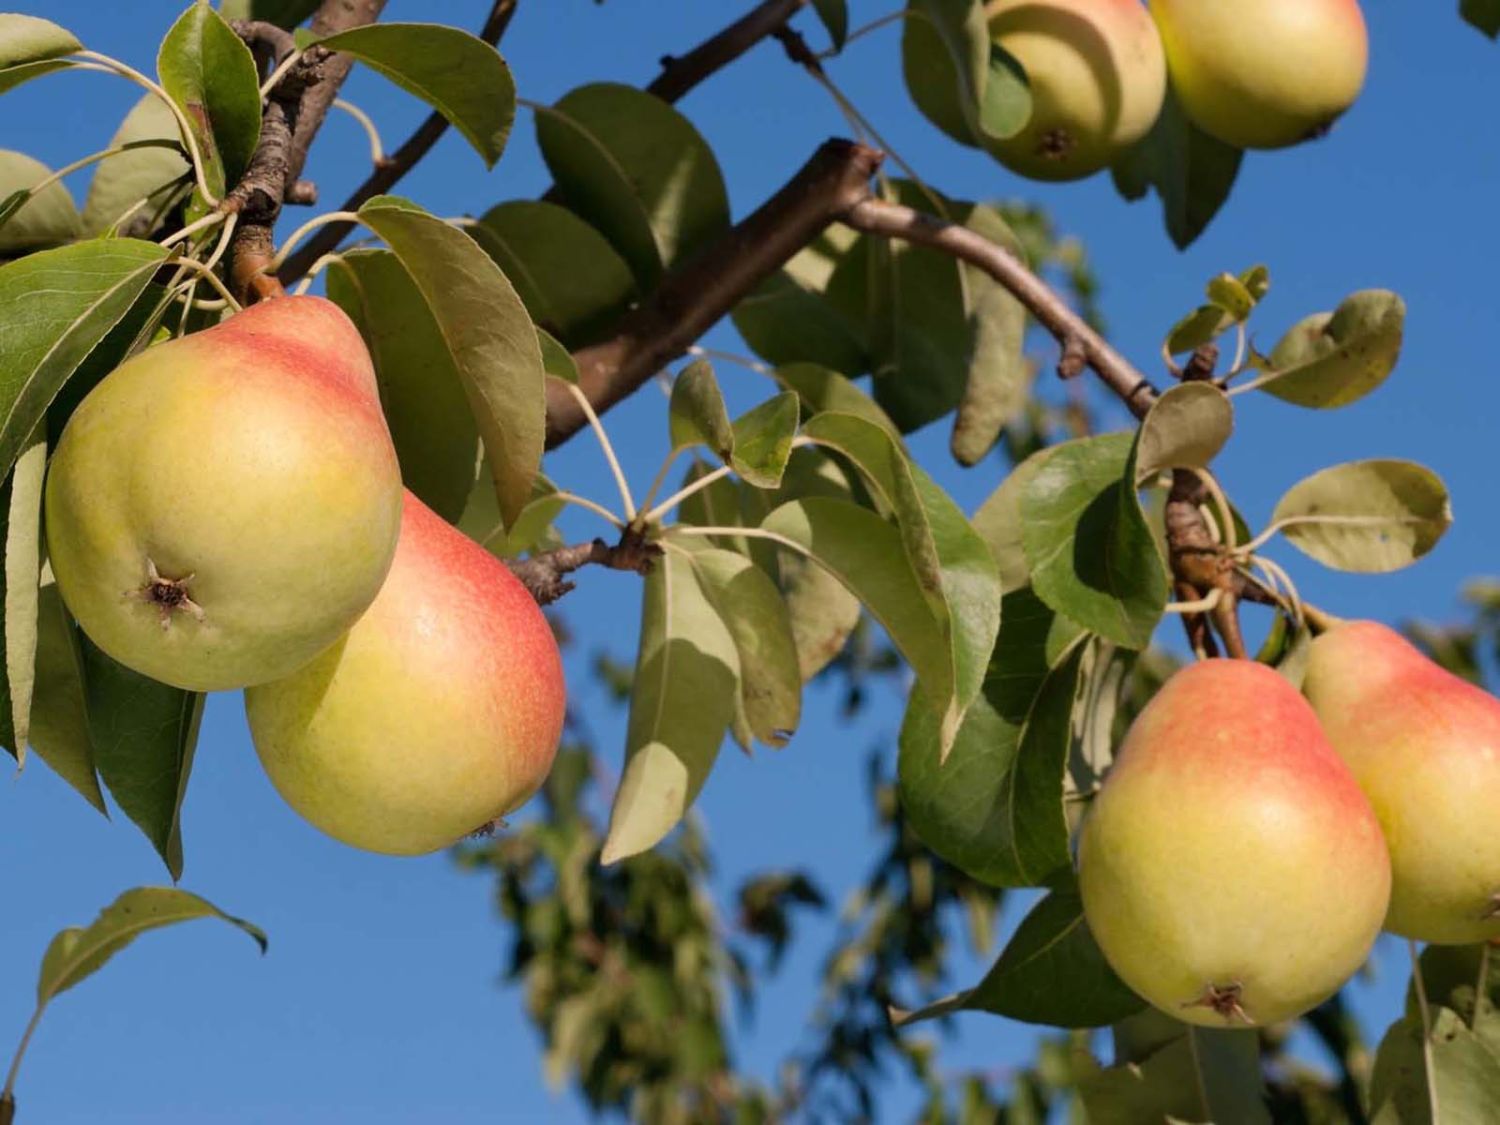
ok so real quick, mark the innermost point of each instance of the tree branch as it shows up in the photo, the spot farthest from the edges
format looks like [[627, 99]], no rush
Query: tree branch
[[294, 112], [543, 574], [386, 174], [680, 74], [693, 297]]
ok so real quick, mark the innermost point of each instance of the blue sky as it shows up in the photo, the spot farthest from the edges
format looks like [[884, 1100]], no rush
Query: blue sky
[[378, 1001]]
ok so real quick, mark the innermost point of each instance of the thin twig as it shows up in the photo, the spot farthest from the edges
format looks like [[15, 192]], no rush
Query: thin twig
[[543, 574], [679, 75]]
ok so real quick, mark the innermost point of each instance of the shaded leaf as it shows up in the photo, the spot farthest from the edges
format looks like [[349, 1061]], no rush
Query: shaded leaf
[[1186, 428], [696, 414], [823, 390], [59, 710], [1483, 14], [570, 278], [998, 522], [1366, 516], [763, 440], [770, 696], [421, 390], [557, 361], [283, 13], [1191, 172], [994, 808], [491, 340], [1464, 1078], [1332, 359], [29, 221], [684, 695], [1092, 555], [1052, 973], [957, 77], [211, 75], [638, 171], [532, 529], [59, 304], [144, 734], [835, 17], [813, 309], [21, 508], [76, 953], [456, 73], [143, 176]]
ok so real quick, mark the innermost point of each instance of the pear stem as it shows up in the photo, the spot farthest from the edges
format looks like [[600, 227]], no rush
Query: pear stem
[[377, 151], [1427, 1059], [1319, 620]]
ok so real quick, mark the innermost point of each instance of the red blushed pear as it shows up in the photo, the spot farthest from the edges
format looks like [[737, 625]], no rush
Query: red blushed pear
[[222, 507], [1425, 746], [1231, 869], [438, 714], [1097, 77], [1265, 74]]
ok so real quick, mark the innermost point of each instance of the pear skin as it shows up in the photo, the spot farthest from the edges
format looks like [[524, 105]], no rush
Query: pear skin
[[1268, 74], [1231, 869], [222, 507], [1425, 746], [438, 714], [1097, 77]]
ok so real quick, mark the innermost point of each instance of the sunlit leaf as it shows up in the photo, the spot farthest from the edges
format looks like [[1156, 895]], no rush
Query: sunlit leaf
[[696, 414], [763, 440], [21, 509], [135, 185], [1333, 359], [29, 221], [209, 72], [1186, 428], [59, 710], [30, 39], [823, 390], [1366, 516]]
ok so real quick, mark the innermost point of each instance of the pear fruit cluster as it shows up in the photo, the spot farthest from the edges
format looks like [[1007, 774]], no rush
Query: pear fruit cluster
[[1251, 841], [226, 511], [1264, 75]]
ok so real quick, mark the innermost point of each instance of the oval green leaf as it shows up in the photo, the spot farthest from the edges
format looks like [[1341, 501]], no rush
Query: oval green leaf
[[31, 221], [1332, 359], [209, 72], [30, 39], [1185, 429], [59, 710], [131, 189]]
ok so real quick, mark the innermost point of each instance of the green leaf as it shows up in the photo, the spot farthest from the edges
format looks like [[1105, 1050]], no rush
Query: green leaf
[[1464, 1078], [1093, 557], [865, 553], [283, 13], [835, 17], [557, 361], [1231, 301], [763, 440], [458, 74], [28, 222], [696, 414], [957, 77], [813, 309], [13, 76], [1185, 429], [59, 709], [1332, 359], [570, 278], [998, 522], [144, 734], [58, 305], [994, 808], [77, 953], [1051, 973], [532, 530], [1483, 14], [28, 39], [998, 384], [491, 341], [420, 387], [211, 75], [1185, 1073], [770, 693], [684, 696], [637, 170], [1191, 172], [1366, 516], [823, 390], [141, 175], [21, 509]]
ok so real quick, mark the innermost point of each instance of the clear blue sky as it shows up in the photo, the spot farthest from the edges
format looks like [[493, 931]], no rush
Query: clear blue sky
[[378, 1001]]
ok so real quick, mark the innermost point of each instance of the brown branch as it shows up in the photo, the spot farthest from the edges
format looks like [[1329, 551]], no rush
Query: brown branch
[[386, 174], [693, 297], [294, 112], [891, 220], [679, 75], [543, 575]]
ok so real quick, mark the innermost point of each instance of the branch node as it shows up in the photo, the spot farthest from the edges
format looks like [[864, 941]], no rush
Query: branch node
[[544, 575], [1074, 358]]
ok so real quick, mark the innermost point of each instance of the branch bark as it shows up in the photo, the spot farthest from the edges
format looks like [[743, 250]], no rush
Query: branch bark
[[388, 173], [692, 298], [680, 74], [543, 575], [294, 113]]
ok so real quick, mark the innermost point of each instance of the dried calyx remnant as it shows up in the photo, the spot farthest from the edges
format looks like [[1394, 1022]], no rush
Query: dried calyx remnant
[[1223, 999], [168, 595]]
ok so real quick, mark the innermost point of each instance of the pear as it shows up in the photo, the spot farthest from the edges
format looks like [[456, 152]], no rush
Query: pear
[[1097, 78], [437, 715], [1267, 74], [1425, 746], [223, 506], [1231, 869]]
